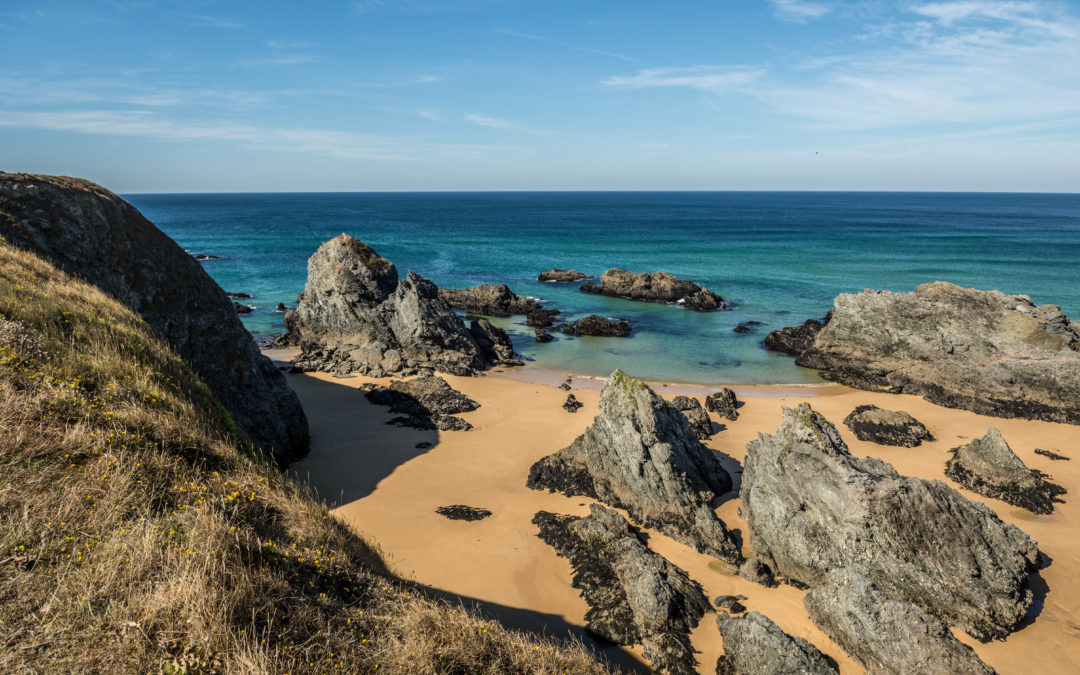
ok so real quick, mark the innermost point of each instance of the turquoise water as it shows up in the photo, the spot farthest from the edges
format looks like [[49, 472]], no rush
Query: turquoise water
[[779, 258]]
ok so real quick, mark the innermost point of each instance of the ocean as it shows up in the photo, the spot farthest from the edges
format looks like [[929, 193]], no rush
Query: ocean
[[776, 257]]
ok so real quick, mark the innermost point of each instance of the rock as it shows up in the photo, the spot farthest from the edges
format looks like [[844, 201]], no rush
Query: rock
[[983, 351], [699, 420], [723, 403], [989, 467], [640, 454], [488, 300], [572, 404], [243, 309], [541, 318], [355, 316], [462, 512], [291, 336], [756, 571], [239, 296], [281, 307], [203, 256], [811, 507], [494, 341], [886, 427], [597, 326], [730, 603], [886, 636], [634, 595], [562, 276], [425, 403], [91, 233], [795, 339], [655, 287], [754, 645], [543, 336], [565, 386], [747, 327], [1051, 454]]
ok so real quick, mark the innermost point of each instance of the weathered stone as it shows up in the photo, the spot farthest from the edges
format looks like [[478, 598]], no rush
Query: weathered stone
[[543, 336], [704, 301], [754, 645], [886, 636], [597, 326], [243, 309], [541, 318], [989, 467], [572, 404], [730, 603], [562, 276], [488, 300], [654, 287], [886, 427], [91, 233], [463, 512], [641, 455], [1051, 454], [699, 420], [723, 403], [634, 595], [795, 339], [811, 507], [427, 403], [493, 341]]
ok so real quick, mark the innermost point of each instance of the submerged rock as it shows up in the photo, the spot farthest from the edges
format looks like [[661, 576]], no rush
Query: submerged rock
[[886, 427], [488, 299], [723, 403], [572, 405], [640, 454], [542, 318], [463, 512], [654, 287], [886, 636], [424, 403], [989, 467], [543, 336], [812, 507], [699, 420], [562, 276], [795, 339], [754, 645], [634, 595], [239, 296]]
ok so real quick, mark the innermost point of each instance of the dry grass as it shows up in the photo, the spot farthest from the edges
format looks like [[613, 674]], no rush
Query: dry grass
[[139, 534]]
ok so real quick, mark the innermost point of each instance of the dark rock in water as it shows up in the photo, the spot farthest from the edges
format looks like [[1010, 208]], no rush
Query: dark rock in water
[[562, 276], [730, 603], [983, 351], [742, 328], [541, 318], [597, 326], [572, 404], [543, 336], [1051, 454], [654, 287], [754, 645], [641, 455], [424, 445], [634, 595], [795, 339], [91, 233], [887, 636], [989, 467], [886, 427], [565, 386], [203, 256], [812, 507], [243, 309], [488, 300], [699, 420], [723, 403], [239, 296], [355, 316], [281, 307], [425, 403], [462, 512]]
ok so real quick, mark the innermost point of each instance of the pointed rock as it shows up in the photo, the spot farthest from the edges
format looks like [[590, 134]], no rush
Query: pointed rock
[[754, 645], [989, 467], [699, 420]]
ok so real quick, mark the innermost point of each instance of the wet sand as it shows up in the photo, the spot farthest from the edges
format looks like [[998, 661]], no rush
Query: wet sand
[[388, 490]]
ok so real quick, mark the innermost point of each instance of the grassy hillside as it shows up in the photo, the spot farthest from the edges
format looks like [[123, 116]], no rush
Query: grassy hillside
[[138, 533]]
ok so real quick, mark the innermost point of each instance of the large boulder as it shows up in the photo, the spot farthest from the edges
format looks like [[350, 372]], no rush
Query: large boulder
[[634, 595], [754, 645], [886, 427], [654, 287], [811, 507], [489, 300], [91, 233], [886, 636], [640, 454], [989, 467], [699, 420], [425, 403], [723, 403], [355, 316], [984, 351]]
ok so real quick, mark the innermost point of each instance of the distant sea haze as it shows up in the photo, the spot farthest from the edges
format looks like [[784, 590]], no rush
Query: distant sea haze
[[777, 257]]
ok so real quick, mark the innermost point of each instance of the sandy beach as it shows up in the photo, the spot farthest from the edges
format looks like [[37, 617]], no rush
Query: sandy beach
[[379, 482]]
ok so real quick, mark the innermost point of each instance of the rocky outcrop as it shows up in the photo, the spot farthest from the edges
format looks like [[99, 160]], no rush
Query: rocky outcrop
[[543, 336], [640, 454], [886, 427], [886, 636], [983, 351], [424, 402], [989, 467], [634, 595], [597, 326], [699, 420], [463, 512], [572, 405], [654, 287], [243, 309], [561, 276], [723, 403], [795, 339], [812, 507], [91, 233], [488, 299], [747, 327], [754, 645], [542, 318], [355, 316]]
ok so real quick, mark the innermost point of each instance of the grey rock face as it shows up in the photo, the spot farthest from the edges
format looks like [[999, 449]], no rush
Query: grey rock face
[[641, 455], [488, 299], [723, 403], [754, 645], [424, 403], [699, 420], [984, 351], [989, 467], [634, 595], [91, 233], [562, 276], [795, 339], [886, 427], [654, 287], [886, 636], [355, 316], [811, 507]]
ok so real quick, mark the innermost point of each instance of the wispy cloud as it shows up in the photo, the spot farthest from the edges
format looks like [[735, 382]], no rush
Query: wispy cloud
[[289, 44], [219, 22], [565, 45], [715, 79], [490, 122], [799, 11]]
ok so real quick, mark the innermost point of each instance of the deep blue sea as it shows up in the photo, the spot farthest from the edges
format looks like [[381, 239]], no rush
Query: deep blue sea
[[778, 257]]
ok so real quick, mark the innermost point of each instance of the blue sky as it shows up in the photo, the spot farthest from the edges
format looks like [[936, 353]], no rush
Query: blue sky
[[536, 94]]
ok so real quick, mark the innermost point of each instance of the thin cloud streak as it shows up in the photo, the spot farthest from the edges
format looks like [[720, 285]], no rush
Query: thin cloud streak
[[716, 79], [799, 11], [565, 45]]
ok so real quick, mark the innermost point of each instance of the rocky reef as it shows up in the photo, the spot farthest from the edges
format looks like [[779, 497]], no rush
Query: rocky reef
[[595, 325], [754, 645], [640, 454], [654, 287], [489, 300], [811, 507], [989, 467], [886, 427], [634, 595], [356, 316], [887, 636], [424, 403], [561, 276], [699, 420], [795, 339], [91, 233]]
